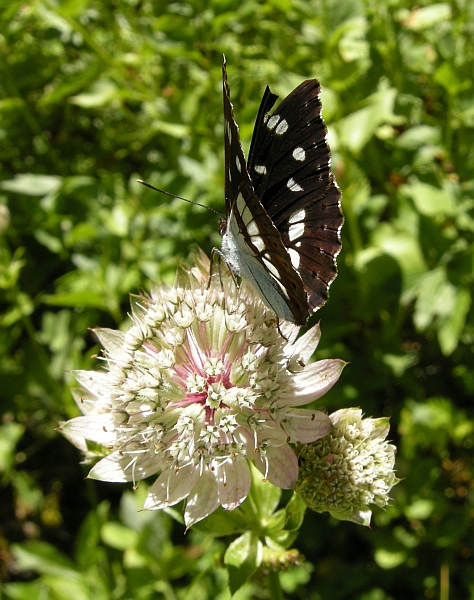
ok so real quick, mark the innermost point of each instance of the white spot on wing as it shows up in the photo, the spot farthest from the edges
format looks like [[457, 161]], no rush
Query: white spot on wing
[[260, 169], [237, 164], [282, 288], [252, 228], [228, 130], [293, 186], [295, 231], [258, 242], [299, 215], [272, 121], [240, 203], [246, 215], [282, 127], [273, 270], [299, 154], [295, 257]]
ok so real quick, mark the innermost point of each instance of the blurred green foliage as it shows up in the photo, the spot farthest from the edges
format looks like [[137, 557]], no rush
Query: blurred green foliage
[[94, 95]]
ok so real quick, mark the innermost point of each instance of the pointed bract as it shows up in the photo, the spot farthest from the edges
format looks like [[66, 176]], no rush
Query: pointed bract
[[203, 499]]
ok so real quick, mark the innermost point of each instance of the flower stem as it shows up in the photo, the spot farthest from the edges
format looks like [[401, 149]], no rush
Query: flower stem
[[274, 586]]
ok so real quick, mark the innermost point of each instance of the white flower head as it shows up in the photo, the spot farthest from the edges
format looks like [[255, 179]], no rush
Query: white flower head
[[202, 383], [349, 469]]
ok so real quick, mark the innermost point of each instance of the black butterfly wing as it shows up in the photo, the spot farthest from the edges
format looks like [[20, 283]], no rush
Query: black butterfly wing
[[255, 237], [235, 164], [318, 244], [290, 168]]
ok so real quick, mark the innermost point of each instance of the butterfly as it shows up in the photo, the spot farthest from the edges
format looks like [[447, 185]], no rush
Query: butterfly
[[283, 206]]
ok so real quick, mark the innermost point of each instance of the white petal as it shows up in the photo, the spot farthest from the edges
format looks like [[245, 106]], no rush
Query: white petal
[[312, 383], [306, 344], [110, 468], [381, 428], [350, 413], [233, 483], [96, 382], [87, 403], [283, 466], [97, 428], [283, 470], [307, 425], [171, 487], [111, 339], [119, 468], [75, 438], [203, 499], [360, 517], [290, 331]]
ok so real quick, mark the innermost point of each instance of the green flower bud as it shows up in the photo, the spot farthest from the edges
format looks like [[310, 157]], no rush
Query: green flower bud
[[349, 469]]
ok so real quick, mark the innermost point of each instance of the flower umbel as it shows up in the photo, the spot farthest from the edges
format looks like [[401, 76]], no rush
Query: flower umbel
[[349, 469], [200, 384]]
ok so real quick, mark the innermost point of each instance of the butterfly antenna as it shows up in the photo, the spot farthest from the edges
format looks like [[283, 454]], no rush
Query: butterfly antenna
[[152, 187]]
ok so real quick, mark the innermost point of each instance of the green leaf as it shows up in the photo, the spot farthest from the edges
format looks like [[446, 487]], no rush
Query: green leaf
[[452, 327], [263, 498], [359, 127], [32, 185], [416, 137], [118, 536], [223, 522], [446, 76], [51, 242], [281, 539], [101, 93], [420, 509], [276, 522], [85, 298], [389, 559], [436, 296], [242, 558], [399, 363], [405, 249], [176, 130], [24, 591], [428, 16], [65, 588], [429, 200], [295, 511], [10, 433], [45, 559]]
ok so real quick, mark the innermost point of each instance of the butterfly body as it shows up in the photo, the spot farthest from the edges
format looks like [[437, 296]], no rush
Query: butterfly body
[[283, 213]]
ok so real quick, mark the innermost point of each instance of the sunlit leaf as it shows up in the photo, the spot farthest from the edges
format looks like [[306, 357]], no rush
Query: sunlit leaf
[[389, 559], [429, 200], [32, 185], [102, 92], [426, 17], [242, 558], [357, 129], [451, 328], [84, 298]]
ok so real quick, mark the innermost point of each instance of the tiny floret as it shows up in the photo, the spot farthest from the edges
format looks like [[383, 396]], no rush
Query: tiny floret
[[204, 381]]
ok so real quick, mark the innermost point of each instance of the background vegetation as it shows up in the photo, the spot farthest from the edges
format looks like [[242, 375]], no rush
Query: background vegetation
[[96, 94]]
